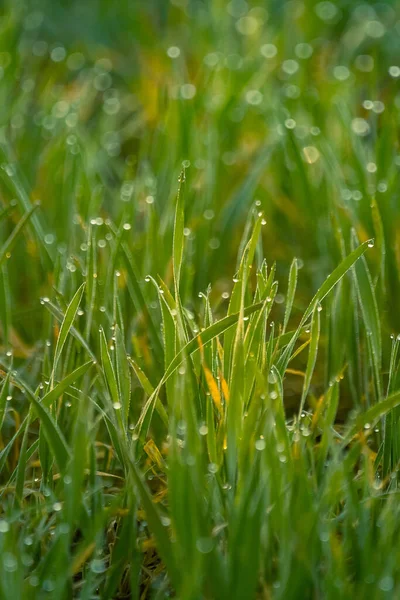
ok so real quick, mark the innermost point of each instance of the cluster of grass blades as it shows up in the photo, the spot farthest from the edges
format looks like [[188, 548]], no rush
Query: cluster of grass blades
[[178, 472]]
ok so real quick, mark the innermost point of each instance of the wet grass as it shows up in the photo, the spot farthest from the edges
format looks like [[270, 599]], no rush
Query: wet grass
[[199, 281]]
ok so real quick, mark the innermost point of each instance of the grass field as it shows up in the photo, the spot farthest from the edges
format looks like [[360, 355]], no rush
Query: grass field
[[199, 299]]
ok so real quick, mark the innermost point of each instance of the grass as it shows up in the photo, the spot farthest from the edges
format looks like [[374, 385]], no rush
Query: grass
[[199, 286]]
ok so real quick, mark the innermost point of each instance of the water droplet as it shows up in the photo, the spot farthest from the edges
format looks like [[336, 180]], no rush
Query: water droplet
[[371, 243], [203, 430], [117, 405], [4, 526], [9, 562], [290, 123], [205, 545], [98, 566], [386, 584], [260, 444], [173, 51]]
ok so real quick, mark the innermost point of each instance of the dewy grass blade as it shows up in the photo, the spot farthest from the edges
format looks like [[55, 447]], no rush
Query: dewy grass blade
[[66, 325], [3, 398], [312, 355], [291, 292], [63, 385], [177, 245], [369, 308]]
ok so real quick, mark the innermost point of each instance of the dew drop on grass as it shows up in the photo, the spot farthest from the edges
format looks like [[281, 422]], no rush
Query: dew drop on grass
[[203, 430], [33, 581], [117, 405], [205, 545], [212, 468], [260, 444], [4, 526], [98, 566], [371, 243], [386, 584]]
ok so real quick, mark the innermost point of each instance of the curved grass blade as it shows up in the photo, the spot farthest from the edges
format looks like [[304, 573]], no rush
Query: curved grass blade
[[66, 325], [60, 387]]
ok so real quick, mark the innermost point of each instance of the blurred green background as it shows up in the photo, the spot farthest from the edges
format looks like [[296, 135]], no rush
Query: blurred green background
[[289, 106]]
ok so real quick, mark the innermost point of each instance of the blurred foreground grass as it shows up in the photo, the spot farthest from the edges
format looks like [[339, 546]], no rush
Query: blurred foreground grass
[[174, 422]]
